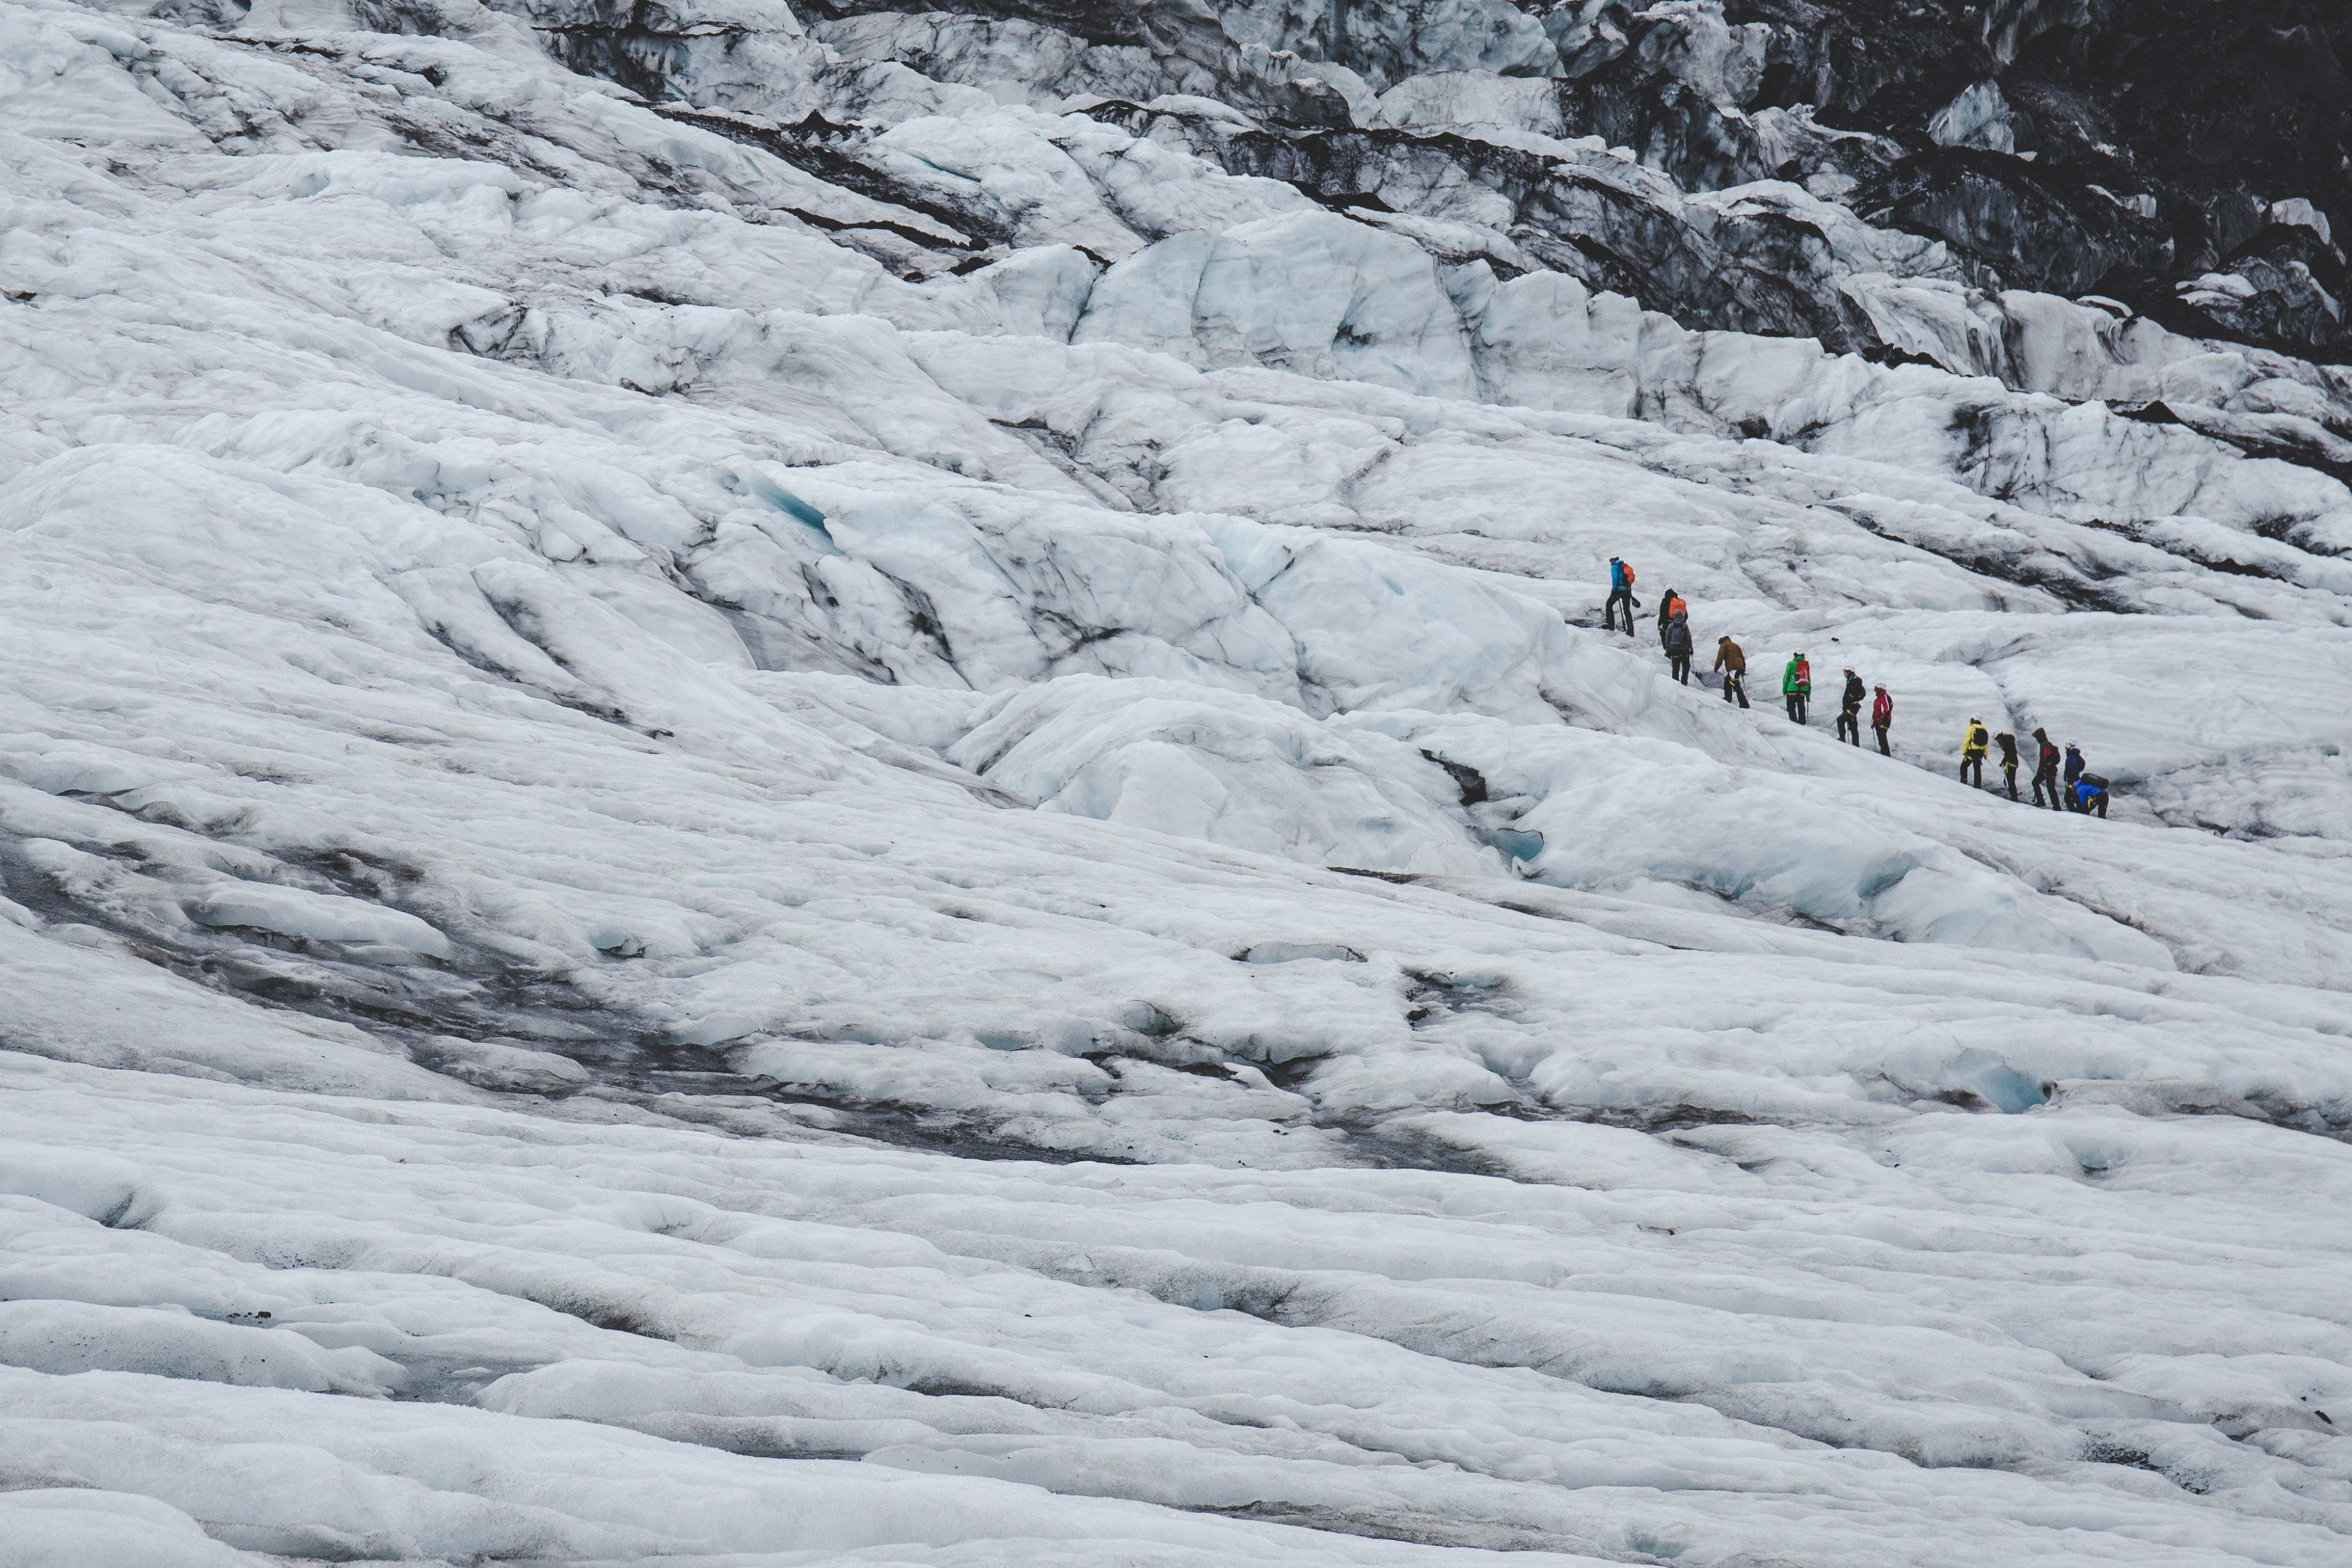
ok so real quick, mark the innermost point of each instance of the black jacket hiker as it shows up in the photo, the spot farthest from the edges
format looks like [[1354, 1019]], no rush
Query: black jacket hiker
[[1849, 724], [2008, 744], [2045, 772]]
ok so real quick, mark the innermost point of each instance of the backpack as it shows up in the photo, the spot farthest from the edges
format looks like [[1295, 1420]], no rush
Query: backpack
[[1621, 576], [1804, 673]]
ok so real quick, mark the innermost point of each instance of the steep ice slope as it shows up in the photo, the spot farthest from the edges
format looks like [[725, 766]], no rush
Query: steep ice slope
[[691, 797]]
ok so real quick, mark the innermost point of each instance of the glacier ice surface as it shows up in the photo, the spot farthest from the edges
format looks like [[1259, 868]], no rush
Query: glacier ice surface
[[924, 853]]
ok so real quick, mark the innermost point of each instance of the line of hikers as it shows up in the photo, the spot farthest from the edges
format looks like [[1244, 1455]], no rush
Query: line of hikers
[[2080, 790]]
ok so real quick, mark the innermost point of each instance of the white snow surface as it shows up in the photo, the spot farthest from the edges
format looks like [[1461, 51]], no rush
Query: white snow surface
[[675, 895]]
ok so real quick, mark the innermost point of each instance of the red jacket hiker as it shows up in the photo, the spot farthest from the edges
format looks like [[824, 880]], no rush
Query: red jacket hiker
[[1881, 712]]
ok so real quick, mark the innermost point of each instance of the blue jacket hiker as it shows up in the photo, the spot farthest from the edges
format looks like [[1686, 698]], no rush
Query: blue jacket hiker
[[1620, 596]]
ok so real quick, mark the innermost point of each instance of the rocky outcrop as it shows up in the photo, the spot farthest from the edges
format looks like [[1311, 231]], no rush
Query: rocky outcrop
[[1753, 166], [2157, 135]]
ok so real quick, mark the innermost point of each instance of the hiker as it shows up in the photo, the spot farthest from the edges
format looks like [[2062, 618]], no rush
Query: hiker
[[1849, 726], [2045, 770], [2091, 796], [1668, 608], [1796, 685], [2073, 772], [1882, 714], [1678, 647], [1733, 663], [1972, 751], [2008, 744], [1621, 595]]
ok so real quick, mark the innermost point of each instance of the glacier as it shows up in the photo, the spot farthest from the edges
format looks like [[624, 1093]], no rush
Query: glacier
[[842, 787]]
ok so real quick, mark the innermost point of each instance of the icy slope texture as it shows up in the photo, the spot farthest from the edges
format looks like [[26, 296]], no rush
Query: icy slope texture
[[840, 788]]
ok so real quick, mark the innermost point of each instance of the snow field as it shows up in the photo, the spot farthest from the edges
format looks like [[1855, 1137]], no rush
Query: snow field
[[1654, 1268]]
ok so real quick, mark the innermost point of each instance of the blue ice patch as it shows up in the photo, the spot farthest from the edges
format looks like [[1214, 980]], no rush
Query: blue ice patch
[[1516, 843]]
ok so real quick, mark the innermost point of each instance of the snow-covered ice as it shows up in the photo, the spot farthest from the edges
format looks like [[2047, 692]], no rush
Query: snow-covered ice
[[926, 852]]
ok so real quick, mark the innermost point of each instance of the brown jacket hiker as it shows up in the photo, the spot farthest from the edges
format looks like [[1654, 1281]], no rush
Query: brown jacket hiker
[[1734, 665]]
